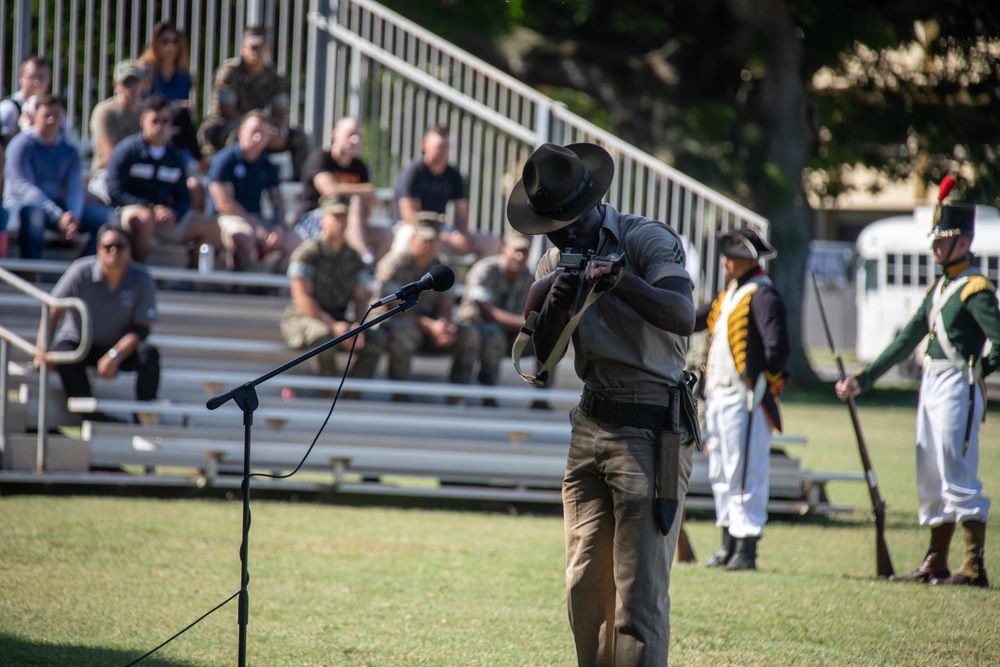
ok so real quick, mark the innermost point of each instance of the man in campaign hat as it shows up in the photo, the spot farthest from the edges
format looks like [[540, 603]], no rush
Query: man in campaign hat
[[958, 315], [629, 351], [745, 369]]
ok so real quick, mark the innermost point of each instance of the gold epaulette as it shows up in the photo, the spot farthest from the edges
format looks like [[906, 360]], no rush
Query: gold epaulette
[[977, 284]]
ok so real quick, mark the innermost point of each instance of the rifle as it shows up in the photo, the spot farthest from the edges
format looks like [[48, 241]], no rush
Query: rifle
[[883, 563], [685, 552]]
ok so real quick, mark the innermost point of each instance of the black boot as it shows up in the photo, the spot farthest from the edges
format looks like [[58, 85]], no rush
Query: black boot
[[725, 552], [745, 556]]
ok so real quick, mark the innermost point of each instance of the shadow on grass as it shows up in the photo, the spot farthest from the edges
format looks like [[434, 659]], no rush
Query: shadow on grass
[[19, 651]]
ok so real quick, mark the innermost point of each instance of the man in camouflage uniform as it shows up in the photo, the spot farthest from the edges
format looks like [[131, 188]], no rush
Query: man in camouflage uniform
[[326, 275], [958, 315], [427, 326], [495, 291], [246, 83]]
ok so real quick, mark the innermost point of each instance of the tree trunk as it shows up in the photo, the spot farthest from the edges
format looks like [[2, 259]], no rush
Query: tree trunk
[[792, 134]]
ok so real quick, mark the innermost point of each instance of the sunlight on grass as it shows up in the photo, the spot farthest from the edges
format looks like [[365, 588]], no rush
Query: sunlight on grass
[[100, 580]]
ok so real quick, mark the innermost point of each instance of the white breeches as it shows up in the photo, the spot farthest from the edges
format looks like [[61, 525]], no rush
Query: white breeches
[[744, 510], [948, 482]]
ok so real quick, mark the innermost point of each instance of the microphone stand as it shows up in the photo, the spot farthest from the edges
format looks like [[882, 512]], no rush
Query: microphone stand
[[245, 396]]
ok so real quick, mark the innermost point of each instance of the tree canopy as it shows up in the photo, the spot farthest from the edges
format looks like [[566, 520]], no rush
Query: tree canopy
[[749, 96]]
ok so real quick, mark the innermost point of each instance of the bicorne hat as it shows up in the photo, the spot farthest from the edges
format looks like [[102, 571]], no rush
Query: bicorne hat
[[745, 243], [559, 185], [952, 219]]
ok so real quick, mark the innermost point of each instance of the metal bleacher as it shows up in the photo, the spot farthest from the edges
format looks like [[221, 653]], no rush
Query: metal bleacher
[[341, 57], [423, 448]]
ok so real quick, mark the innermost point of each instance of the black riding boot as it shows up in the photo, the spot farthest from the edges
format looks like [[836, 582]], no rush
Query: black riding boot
[[725, 552], [745, 556]]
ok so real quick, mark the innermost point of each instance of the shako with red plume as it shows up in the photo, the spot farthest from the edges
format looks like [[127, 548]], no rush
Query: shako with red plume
[[952, 219]]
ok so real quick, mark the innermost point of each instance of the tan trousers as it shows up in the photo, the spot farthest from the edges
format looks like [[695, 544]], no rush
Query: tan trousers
[[617, 562]]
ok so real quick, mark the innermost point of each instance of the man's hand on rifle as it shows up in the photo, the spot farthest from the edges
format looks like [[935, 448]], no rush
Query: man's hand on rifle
[[562, 294], [605, 273], [847, 388]]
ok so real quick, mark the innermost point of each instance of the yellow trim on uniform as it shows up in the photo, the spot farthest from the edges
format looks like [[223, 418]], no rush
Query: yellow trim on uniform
[[977, 284], [739, 321], [713, 314]]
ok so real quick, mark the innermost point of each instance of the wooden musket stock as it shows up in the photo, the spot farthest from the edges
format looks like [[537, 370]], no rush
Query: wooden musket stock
[[883, 563]]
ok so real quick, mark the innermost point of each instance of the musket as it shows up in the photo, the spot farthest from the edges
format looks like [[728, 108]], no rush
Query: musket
[[883, 563], [754, 399], [685, 552]]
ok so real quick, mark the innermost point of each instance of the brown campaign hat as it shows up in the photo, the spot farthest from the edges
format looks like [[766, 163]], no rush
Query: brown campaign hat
[[559, 185]]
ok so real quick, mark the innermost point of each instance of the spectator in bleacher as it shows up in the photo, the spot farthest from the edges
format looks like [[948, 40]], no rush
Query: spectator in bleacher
[[146, 182], [246, 83], [166, 71], [43, 187], [327, 275], [428, 326], [121, 297], [429, 183], [339, 172], [496, 288], [111, 121], [34, 77], [240, 176], [166, 68]]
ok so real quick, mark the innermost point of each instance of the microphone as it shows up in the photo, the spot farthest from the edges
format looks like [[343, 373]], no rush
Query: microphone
[[440, 279]]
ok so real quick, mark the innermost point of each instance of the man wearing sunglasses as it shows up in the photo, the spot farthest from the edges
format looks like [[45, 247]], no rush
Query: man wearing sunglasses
[[121, 297]]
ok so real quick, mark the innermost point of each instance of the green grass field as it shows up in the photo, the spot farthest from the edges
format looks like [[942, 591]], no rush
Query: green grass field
[[90, 581]]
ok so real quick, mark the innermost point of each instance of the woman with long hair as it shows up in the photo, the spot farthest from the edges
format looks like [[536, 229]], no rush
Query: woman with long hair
[[167, 67]]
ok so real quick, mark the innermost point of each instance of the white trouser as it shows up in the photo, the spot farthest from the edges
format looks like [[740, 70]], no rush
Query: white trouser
[[726, 422], [947, 482]]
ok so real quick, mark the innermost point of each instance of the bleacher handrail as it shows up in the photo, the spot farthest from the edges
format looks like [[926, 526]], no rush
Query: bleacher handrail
[[445, 47], [432, 84], [8, 338], [47, 301]]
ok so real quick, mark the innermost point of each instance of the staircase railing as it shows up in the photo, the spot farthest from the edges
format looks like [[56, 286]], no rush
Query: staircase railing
[[9, 338], [400, 78]]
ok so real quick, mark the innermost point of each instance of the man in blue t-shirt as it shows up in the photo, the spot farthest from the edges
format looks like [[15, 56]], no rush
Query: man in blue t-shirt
[[429, 183], [240, 176]]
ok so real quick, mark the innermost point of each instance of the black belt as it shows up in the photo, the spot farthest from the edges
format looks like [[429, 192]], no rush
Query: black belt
[[600, 407]]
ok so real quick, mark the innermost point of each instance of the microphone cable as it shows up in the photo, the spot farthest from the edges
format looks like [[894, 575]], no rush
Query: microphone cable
[[244, 489]]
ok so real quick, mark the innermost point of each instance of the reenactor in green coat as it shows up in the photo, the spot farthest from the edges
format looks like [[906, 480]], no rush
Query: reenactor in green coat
[[958, 315]]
